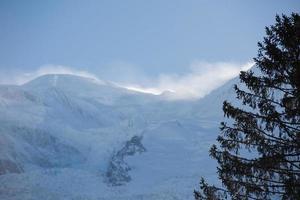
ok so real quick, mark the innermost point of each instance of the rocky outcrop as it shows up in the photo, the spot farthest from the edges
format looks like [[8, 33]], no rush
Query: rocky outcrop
[[117, 172], [21, 146], [7, 166]]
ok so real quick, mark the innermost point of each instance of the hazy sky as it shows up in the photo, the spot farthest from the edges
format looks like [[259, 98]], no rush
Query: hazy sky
[[135, 42]]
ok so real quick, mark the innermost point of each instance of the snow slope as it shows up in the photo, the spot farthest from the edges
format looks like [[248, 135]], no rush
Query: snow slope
[[69, 137]]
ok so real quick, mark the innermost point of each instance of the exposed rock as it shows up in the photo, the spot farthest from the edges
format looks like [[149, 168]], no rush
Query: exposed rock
[[117, 172], [22, 146], [7, 166]]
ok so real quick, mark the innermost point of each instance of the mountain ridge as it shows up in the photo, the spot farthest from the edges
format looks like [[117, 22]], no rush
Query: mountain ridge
[[59, 126]]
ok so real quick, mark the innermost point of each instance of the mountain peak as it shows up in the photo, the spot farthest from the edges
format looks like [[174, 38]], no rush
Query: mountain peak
[[56, 79]]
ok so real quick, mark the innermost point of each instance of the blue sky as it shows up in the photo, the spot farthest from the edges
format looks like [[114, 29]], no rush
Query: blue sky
[[134, 41]]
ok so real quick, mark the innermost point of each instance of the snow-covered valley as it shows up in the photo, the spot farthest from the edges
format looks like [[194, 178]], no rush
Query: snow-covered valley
[[69, 137]]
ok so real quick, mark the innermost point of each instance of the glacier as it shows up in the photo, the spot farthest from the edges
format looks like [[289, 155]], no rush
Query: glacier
[[71, 137]]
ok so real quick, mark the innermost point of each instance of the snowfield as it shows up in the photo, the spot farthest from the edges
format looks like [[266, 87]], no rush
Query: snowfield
[[69, 137]]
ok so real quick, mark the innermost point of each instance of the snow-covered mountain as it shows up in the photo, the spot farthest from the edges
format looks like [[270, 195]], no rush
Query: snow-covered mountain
[[69, 137]]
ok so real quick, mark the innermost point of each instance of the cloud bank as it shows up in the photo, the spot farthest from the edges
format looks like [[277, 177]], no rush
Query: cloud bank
[[199, 80], [19, 78]]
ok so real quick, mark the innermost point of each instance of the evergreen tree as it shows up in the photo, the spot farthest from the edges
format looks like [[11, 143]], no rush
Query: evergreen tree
[[267, 125]]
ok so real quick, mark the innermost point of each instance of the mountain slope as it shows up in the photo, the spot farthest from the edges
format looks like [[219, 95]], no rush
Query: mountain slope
[[68, 137]]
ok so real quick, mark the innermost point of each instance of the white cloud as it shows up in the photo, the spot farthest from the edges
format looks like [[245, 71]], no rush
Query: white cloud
[[201, 79], [19, 78]]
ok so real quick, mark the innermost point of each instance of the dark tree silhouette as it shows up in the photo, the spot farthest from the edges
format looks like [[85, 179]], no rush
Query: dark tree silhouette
[[258, 154]]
